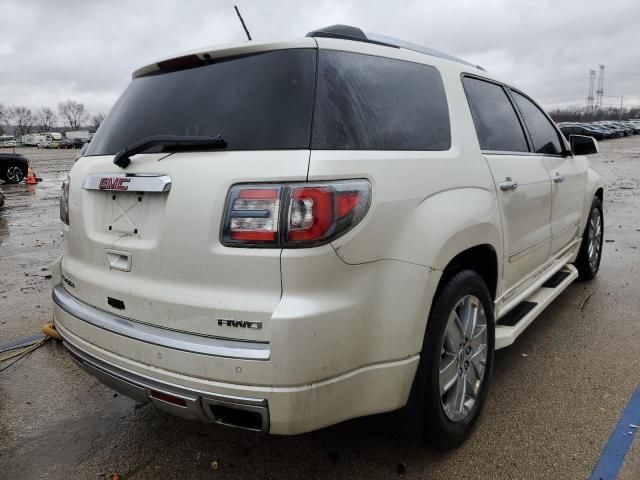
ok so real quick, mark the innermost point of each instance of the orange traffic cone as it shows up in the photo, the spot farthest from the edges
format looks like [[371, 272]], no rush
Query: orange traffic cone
[[31, 178]]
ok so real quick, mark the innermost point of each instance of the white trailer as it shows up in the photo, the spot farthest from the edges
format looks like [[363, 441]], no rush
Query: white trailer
[[81, 134], [53, 136], [33, 139]]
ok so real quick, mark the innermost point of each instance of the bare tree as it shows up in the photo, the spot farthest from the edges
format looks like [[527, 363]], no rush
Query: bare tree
[[46, 119], [97, 120], [23, 118], [73, 112]]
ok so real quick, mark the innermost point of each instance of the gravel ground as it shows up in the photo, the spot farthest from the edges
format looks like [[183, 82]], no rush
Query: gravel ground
[[555, 398]]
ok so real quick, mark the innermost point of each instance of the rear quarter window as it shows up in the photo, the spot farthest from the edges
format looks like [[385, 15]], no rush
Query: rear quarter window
[[364, 102]]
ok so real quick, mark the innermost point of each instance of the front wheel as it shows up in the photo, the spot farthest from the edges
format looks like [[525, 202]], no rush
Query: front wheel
[[588, 261], [457, 359]]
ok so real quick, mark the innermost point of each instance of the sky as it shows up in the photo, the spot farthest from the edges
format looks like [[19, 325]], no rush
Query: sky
[[85, 50]]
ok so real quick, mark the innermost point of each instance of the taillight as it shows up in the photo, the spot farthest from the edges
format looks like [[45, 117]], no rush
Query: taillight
[[293, 214], [253, 216], [64, 202]]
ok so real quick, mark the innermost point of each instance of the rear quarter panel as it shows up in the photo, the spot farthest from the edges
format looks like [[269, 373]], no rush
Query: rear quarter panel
[[427, 206]]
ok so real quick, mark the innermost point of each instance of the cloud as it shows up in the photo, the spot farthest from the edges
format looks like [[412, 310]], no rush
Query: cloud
[[86, 50]]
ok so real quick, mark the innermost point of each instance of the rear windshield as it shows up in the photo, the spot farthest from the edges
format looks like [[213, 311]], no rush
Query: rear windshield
[[266, 101], [257, 102]]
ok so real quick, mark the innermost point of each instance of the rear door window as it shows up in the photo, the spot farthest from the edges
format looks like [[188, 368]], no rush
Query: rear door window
[[496, 121], [364, 102], [544, 136]]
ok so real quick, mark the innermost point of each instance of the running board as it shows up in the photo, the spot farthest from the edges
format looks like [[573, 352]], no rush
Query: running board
[[511, 325]]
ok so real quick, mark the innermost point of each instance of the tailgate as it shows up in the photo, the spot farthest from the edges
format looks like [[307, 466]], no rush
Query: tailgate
[[156, 257]]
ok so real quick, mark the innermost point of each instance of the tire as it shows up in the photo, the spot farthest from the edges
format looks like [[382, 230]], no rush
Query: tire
[[13, 173], [588, 261], [445, 425]]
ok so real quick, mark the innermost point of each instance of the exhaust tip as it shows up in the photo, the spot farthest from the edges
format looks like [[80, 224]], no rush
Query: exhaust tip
[[240, 416]]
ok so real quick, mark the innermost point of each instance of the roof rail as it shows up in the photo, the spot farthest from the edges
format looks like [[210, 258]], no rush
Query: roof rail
[[347, 32]]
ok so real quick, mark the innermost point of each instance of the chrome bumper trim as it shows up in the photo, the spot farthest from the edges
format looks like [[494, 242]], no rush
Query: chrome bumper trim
[[218, 347], [197, 405]]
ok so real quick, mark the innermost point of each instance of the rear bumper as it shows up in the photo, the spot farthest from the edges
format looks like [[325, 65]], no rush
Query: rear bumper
[[248, 413], [286, 410]]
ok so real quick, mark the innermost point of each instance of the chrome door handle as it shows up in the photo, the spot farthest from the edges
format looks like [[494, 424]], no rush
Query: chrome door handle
[[558, 178], [508, 184]]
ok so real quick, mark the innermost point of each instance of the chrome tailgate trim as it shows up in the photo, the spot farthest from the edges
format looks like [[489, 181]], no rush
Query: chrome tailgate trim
[[136, 182]]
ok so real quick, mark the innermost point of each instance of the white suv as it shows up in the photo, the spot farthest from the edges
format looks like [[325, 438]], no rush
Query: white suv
[[281, 236]]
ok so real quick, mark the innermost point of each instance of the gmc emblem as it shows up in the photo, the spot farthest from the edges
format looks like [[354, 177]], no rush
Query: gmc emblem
[[117, 183], [240, 324]]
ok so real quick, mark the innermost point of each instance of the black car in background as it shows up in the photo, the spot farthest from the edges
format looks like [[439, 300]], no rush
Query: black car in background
[[13, 167], [580, 130]]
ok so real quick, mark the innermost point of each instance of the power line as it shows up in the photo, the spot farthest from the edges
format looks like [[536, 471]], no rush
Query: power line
[[637, 74]]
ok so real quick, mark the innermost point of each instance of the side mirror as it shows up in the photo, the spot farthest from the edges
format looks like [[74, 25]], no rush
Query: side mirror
[[583, 145]]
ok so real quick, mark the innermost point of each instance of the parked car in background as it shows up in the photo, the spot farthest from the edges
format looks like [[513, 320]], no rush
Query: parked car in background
[[49, 144], [617, 132], [626, 131], [632, 126], [79, 142], [363, 234], [603, 129], [65, 144], [13, 167], [7, 141], [583, 130]]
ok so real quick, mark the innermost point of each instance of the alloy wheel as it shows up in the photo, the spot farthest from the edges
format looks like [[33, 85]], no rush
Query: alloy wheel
[[595, 238], [463, 358]]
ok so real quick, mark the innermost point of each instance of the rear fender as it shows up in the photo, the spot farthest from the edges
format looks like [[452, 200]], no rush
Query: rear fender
[[448, 223]]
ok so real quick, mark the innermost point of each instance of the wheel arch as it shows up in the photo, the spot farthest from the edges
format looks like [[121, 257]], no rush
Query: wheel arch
[[594, 188], [482, 259], [600, 194]]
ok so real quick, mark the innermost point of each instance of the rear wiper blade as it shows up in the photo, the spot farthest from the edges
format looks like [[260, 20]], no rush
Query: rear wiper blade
[[171, 143]]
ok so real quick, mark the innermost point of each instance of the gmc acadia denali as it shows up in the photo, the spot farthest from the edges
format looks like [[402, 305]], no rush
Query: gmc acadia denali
[[281, 236]]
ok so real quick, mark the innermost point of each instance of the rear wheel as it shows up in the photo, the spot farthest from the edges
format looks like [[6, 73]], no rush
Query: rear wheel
[[457, 359], [588, 261], [13, 174]]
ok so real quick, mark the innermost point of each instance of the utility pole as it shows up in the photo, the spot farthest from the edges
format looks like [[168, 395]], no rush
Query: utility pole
[[600, 91], [590, 97], [621, 99]]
